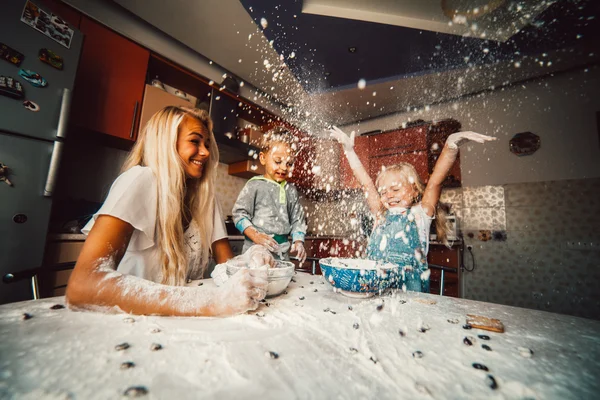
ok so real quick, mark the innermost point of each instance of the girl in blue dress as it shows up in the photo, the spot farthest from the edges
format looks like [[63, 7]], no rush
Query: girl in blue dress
[[403, 208]]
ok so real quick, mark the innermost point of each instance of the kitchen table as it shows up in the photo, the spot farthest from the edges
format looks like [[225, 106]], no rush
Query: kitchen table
[[309, 343]]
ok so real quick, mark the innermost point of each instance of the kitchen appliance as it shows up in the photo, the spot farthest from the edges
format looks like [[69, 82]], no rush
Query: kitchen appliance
[[31, 144]]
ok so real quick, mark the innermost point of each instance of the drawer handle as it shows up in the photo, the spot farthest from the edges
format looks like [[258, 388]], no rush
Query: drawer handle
[[135, 108]]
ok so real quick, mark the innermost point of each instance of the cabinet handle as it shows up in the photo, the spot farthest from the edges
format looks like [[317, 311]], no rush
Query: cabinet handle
[[53, 169], [63, 117], [133, 120]]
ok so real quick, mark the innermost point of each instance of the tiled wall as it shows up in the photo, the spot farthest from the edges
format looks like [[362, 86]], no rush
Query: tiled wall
[[227, 189], [533, 267]]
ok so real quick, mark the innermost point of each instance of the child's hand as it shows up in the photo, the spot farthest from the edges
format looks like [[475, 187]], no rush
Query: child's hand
[[242, 292], [459, 138], [346, 141], [262, 238], [298, 248]]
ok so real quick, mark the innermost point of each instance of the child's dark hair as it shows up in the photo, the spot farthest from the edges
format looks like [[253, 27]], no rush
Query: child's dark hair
[[277, 135]]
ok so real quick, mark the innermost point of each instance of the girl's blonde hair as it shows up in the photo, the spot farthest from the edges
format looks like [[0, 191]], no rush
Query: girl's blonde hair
[[409, 172], [156, 148]]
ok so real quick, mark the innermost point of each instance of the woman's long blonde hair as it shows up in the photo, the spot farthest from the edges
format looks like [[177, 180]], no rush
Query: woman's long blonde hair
[[156, 148], [409, 172]]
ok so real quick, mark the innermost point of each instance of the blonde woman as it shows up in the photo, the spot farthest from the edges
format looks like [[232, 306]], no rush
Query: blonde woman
[[158, 226]]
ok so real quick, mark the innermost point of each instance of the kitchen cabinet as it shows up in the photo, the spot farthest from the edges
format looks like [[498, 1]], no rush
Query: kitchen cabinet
[[363, 151], [419, 145], [450, 260], [436, 138], [110, 82], [303, 175], [155, 99], [58, 251], [399, 141], [417, 159]]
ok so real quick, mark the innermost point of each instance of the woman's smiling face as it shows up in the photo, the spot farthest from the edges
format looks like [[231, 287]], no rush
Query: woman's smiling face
[[193, 141]]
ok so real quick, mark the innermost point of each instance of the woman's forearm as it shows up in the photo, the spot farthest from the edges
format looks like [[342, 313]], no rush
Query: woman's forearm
[[107, 289]]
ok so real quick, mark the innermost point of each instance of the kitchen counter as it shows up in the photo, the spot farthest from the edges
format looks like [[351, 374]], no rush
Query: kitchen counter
[[324, 346]]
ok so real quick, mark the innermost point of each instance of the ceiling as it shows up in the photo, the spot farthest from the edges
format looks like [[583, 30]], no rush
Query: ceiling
[[406, 51]]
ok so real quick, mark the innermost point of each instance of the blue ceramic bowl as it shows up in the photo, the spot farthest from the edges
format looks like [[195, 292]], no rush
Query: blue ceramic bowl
[[359, 278]]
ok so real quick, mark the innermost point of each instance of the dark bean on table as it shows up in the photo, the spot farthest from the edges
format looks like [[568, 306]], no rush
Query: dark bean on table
[[491, 382], [26, 316], [483, 337], [136, 391], [380, 307], [301, 297], [155, 347], [350, 308], [486, 347], [467, 326], [467, 342], [122, 346], [273, 355], [127, 365], [480, 366], [355, 326], [417, 354], [57, 307]]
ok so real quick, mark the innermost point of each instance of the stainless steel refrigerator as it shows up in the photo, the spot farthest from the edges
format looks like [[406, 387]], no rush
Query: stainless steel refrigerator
[[31, 142]]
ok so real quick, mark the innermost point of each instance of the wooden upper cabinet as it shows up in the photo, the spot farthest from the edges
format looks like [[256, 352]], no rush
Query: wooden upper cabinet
[[302, 175], [110, 82], [362, 149], [400, 141], [417, 159]]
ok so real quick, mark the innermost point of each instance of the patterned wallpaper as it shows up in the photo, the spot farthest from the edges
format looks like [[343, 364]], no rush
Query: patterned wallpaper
[[533, 267]]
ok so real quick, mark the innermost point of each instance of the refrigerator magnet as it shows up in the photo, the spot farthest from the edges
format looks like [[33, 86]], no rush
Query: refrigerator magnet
[[33, 77], [51, 58], [11, 87], [11, 55], [31, 106]]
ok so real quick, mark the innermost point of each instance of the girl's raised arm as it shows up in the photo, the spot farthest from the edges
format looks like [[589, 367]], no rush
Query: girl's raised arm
[[431, 196], [373, 199], [95, 283]]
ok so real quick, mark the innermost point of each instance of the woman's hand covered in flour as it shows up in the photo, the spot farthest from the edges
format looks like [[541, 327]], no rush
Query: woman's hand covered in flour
[[262, 239], [242, 292], [346, 141], [459, 138], [257, 256], [298, 248]]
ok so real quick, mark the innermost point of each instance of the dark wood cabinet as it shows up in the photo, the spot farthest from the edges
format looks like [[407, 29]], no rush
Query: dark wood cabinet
[[449, 260], [363, 151], [419, 145], [110, 82], [436, 138], [417, 159]]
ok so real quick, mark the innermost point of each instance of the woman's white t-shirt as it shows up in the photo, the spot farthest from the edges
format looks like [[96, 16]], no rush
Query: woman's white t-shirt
[[133, 199]]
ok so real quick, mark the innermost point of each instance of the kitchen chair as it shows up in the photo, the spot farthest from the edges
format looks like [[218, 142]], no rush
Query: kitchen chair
[[312, 260]]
